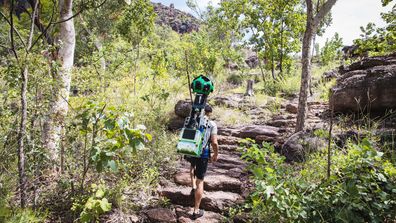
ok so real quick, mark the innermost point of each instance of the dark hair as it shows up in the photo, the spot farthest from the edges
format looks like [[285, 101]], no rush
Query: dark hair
[[208, 109]]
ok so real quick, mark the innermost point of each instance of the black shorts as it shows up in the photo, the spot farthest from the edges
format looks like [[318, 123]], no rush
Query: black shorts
[[200, 164]]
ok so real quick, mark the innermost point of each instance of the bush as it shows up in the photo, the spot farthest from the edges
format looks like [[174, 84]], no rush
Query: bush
[[235, 79], [362, 187]]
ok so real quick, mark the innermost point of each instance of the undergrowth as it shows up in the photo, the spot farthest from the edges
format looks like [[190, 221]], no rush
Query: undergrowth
[[361, 188]]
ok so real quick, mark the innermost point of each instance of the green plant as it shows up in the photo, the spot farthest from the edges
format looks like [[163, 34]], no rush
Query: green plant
[[93, 206], [331, 51], [362, 187], [112, 137]]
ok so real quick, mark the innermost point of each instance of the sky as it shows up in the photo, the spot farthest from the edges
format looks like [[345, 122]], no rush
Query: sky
[[348, 16]]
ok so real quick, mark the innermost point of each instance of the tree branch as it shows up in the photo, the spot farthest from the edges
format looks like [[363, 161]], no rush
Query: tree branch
[[81, 10], [44, 31], [15, 30], [323, 11]]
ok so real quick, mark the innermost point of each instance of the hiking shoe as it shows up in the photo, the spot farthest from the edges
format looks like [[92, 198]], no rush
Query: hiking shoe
[[197, 215]]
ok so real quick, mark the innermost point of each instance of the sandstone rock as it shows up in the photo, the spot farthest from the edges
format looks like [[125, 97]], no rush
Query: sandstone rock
[[213, 182], [183, 108], [179, 21], [227, 140], [185, 216], [175, 123], [281, 123], [162, 215], [300, 145], [361, 90], [252, 61], [216, 201], [369, 62], [292, 108], [327, 76], [251, 131], [230, 102], [230, 148]]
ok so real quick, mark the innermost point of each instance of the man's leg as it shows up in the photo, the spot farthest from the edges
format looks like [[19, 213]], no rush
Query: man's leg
[[200, 171], [198, 194], [192, 176]]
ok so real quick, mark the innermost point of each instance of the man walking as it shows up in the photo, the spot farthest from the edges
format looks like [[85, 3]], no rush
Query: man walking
[[199, 165]]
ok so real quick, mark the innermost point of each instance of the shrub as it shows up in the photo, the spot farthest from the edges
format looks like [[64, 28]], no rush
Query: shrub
[[362, 187]]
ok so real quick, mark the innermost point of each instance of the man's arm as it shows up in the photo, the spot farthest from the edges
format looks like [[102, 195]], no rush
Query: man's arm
[[215, 146]]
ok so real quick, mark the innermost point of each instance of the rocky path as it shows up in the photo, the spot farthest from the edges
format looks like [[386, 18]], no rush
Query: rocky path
[[227, 180]]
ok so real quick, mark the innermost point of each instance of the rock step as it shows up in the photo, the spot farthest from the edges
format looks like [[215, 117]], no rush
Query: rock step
[[228, 140], [216, 201], [213, 182], [184, 215]]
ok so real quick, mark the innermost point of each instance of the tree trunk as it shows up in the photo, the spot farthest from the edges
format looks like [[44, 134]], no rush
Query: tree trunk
[[22, 127], [311, 28], [281, 49], [249, 88], [21, 138], [62, 79], [273, 64], [306, 68]]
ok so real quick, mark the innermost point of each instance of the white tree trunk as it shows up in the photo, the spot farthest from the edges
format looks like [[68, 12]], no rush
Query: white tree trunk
[[62, 79]]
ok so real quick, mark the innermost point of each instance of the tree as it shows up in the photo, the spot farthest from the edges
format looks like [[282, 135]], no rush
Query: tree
[[331, 50], [62, 80], [312, 25], [275, 29], [378, 40]]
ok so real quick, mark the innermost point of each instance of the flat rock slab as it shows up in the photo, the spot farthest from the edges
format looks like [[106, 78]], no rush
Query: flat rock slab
[[228, 140], [233, 159], [213, 182], [185, 216], [161, 215], [251, 131], [216, 201]]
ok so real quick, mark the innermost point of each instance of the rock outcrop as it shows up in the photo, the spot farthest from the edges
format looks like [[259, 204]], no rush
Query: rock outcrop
[[300, 145], [179, 21], [367, 85]]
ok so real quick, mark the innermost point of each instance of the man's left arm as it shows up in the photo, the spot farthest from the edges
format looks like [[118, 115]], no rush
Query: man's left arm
[[215, 146]]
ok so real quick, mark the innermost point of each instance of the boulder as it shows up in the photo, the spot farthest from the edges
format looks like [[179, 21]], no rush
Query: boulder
[[183, 108], [369, 63], [175, 123], [370, 90], [292, 108], [252, 61], [161, 215], [328, 75], [298, 146]]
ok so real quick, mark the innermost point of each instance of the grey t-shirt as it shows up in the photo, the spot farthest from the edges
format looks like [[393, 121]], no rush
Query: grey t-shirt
[[213, 128]]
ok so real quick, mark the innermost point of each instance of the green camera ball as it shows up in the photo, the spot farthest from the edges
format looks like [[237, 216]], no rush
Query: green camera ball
[[202, 85]]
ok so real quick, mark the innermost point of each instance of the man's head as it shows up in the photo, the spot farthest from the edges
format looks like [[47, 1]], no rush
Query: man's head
[[208, 110]]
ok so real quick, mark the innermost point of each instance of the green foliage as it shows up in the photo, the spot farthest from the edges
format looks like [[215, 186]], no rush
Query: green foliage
[[287, 85], [137, 21], [331, 51], [275, 27], [94, 205], [378, 41], [112, 136], [362, 187]]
